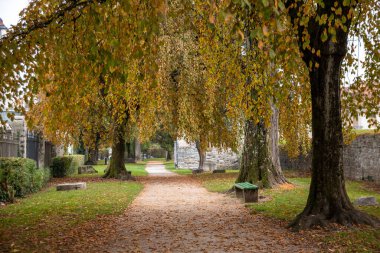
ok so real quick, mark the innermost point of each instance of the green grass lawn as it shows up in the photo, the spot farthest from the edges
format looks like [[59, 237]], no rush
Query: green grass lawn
[[286, 203], [170, 166], [364, 131], [42, 214], [137, 169]]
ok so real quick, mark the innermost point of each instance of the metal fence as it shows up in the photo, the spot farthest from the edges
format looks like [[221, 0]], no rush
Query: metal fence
[[9, 145], [32, 146]]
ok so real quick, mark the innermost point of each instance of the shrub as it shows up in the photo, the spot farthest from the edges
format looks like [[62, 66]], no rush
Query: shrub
[[78, 160], [61, 166], [20, 176]]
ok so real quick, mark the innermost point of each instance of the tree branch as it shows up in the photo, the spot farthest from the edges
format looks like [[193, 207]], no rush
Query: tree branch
[[19, 33]]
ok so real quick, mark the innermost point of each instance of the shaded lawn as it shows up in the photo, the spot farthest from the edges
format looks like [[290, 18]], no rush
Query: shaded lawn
[[137, 169], [45, 213], [170, 166], [285, 203]]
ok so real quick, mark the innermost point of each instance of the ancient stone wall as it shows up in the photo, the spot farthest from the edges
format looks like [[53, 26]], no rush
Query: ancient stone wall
[[186, 157], [361, 159]]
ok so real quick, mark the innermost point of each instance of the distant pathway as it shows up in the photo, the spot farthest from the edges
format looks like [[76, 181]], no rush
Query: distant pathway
[[158, 169]]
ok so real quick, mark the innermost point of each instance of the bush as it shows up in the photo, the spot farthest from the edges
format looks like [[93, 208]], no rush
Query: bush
[[61, 166], [78, 160], [20, 176]]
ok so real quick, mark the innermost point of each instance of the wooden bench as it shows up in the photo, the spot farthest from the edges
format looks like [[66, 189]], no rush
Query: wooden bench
[[249, 192]]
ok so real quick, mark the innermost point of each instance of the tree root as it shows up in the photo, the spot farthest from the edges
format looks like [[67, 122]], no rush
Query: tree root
[[345, 217], [123, 175]]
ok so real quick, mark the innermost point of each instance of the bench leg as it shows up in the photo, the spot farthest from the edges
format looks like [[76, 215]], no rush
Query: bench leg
[[239, 193], [251, 196]]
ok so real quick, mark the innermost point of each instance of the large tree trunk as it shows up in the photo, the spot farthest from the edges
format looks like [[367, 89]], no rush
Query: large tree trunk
[[169, 155], [137, 150], [328, 201], [260, 162], [93, 153], [116, 168], [202, 155]]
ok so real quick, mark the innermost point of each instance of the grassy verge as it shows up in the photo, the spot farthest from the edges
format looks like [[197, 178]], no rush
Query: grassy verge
[[286, 202], [170, 166], [48, 212], [364, 131], [218, 182], [137, 169]]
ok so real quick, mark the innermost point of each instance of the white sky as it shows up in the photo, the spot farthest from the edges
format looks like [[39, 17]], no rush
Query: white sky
[[9, 10]]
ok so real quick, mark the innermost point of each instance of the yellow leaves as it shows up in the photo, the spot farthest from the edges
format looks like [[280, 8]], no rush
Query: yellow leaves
[[265, 31], [260, 44]]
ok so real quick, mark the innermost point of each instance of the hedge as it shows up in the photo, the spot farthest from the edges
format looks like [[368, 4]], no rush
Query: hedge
[[78, 160], [61, 166], [20, 176]]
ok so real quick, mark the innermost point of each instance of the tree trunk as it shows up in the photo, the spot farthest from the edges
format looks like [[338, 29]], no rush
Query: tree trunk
[[202, 155], [328, 201], [116, 168], [93, 153], [92, 160], [260, 163], [168, 156], [137, 150]]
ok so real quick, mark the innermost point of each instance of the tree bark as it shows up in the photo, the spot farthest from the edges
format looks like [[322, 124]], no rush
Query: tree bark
[[260, 162], [202, 155], [328, 201], [137, 150], [93, 153], [116, 168], [169, 156]]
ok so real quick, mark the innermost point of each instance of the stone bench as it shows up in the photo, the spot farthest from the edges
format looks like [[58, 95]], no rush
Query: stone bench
[[71, 186], [249, 192], [86, 169]]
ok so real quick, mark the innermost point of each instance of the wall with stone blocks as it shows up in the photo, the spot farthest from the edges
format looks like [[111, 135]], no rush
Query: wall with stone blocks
[[186, 157], [361, 159]]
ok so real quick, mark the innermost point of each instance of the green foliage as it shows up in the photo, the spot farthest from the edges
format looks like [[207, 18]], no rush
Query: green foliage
[[61, 166], [78, 160], [20, 176]]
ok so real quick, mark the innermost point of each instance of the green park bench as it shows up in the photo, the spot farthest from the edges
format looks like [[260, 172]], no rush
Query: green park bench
[[249, 192]]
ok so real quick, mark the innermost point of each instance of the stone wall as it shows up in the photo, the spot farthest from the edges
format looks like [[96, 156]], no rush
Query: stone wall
[[186, 157], [361, 159]]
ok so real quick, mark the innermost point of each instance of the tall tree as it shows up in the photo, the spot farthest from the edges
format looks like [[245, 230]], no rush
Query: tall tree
[[322, 31], [108, 47]]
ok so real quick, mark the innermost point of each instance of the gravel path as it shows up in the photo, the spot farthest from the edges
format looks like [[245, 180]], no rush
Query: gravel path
[[176, 214], [158, 169]]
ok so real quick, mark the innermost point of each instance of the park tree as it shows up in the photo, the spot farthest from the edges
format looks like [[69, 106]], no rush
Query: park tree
[[255, 86], [193, 110], [83, 55], [320, 31]]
